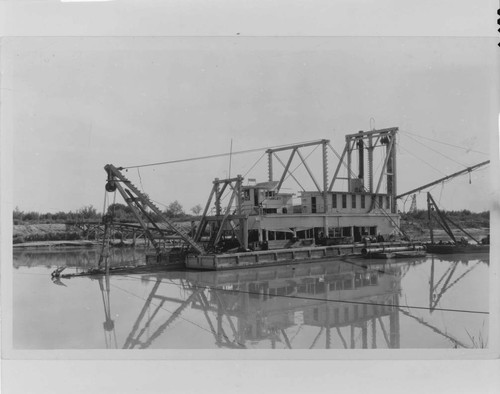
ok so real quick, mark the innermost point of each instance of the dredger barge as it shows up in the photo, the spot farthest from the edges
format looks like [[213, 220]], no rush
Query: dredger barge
[[260, 225]]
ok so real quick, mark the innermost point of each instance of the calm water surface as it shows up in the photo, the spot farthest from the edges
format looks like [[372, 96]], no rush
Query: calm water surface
[[431, 302]]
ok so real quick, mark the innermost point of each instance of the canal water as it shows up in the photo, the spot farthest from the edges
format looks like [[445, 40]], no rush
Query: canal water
[[434, 302]]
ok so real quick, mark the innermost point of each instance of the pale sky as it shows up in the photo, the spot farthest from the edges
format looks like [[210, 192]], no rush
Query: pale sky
[[80, 103]]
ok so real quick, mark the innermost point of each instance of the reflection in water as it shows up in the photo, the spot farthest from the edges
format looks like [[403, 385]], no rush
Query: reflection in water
[[439, 286], [336, 304], [109, 324], [260, 305]]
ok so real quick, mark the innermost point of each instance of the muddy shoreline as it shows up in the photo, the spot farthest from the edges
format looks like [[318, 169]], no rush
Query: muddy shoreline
[[58, 235]]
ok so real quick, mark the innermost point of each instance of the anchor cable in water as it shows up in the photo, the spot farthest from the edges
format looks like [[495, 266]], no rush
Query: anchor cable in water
[[324, 299]]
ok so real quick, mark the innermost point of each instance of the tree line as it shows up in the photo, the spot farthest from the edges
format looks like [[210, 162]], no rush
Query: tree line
[[123, 213], [463, 217], [119, 212]]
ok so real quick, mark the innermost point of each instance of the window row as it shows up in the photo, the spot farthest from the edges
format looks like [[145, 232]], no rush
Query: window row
[[364, 200]]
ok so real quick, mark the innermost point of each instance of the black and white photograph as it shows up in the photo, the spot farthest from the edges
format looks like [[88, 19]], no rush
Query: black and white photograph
[[243, 196]]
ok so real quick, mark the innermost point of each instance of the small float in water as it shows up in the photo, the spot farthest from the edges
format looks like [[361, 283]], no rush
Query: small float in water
[[391, 252]]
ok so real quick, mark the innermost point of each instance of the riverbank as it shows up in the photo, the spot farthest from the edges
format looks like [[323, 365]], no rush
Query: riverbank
[[56, 244], [43, 232], [58, 235]]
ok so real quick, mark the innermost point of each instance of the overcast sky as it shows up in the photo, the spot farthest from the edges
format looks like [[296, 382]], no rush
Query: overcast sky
[[80, 103]]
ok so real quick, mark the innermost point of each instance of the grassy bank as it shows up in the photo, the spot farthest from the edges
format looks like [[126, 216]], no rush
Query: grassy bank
[[416, 225], [43, 232]]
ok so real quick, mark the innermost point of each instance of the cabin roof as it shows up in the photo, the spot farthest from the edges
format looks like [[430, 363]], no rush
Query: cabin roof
[[270, 185]]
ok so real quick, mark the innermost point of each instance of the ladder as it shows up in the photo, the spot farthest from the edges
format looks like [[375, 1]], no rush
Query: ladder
[[134, 195]]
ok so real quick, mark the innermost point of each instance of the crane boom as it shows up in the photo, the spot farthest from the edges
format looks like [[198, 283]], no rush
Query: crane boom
[[468, 169], [134, 198]]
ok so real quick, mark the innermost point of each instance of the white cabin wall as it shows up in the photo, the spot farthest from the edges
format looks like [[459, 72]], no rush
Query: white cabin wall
[[306, 202]]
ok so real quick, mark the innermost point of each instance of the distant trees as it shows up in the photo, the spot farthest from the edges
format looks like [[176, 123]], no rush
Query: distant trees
[[119, 212], [174, 210], [85, 213], [464, 217], [197, 209], [88, 212]]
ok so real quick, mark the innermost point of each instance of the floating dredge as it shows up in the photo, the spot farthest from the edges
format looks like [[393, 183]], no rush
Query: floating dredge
[[261, 226]]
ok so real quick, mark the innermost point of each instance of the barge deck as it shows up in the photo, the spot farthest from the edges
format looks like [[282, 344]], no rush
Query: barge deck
[[262, 258]]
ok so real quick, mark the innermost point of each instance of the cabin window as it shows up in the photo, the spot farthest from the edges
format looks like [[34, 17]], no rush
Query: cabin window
[[334, 232], [353, 201], [381, 201], [362, 201], [246, 194], [344, 201], [313, 204], [387, 202], [334, 201], [346, 231]]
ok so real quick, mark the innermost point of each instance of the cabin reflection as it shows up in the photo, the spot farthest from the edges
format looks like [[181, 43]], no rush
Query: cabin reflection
[[343, 304], [328, 296]]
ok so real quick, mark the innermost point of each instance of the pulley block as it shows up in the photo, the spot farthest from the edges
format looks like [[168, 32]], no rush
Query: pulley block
[[110, 186]]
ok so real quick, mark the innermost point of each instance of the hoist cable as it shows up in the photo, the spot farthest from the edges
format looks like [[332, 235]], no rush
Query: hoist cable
[[422, 160], [445, 143], [211, 156], [252, 167], [436, 151]]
